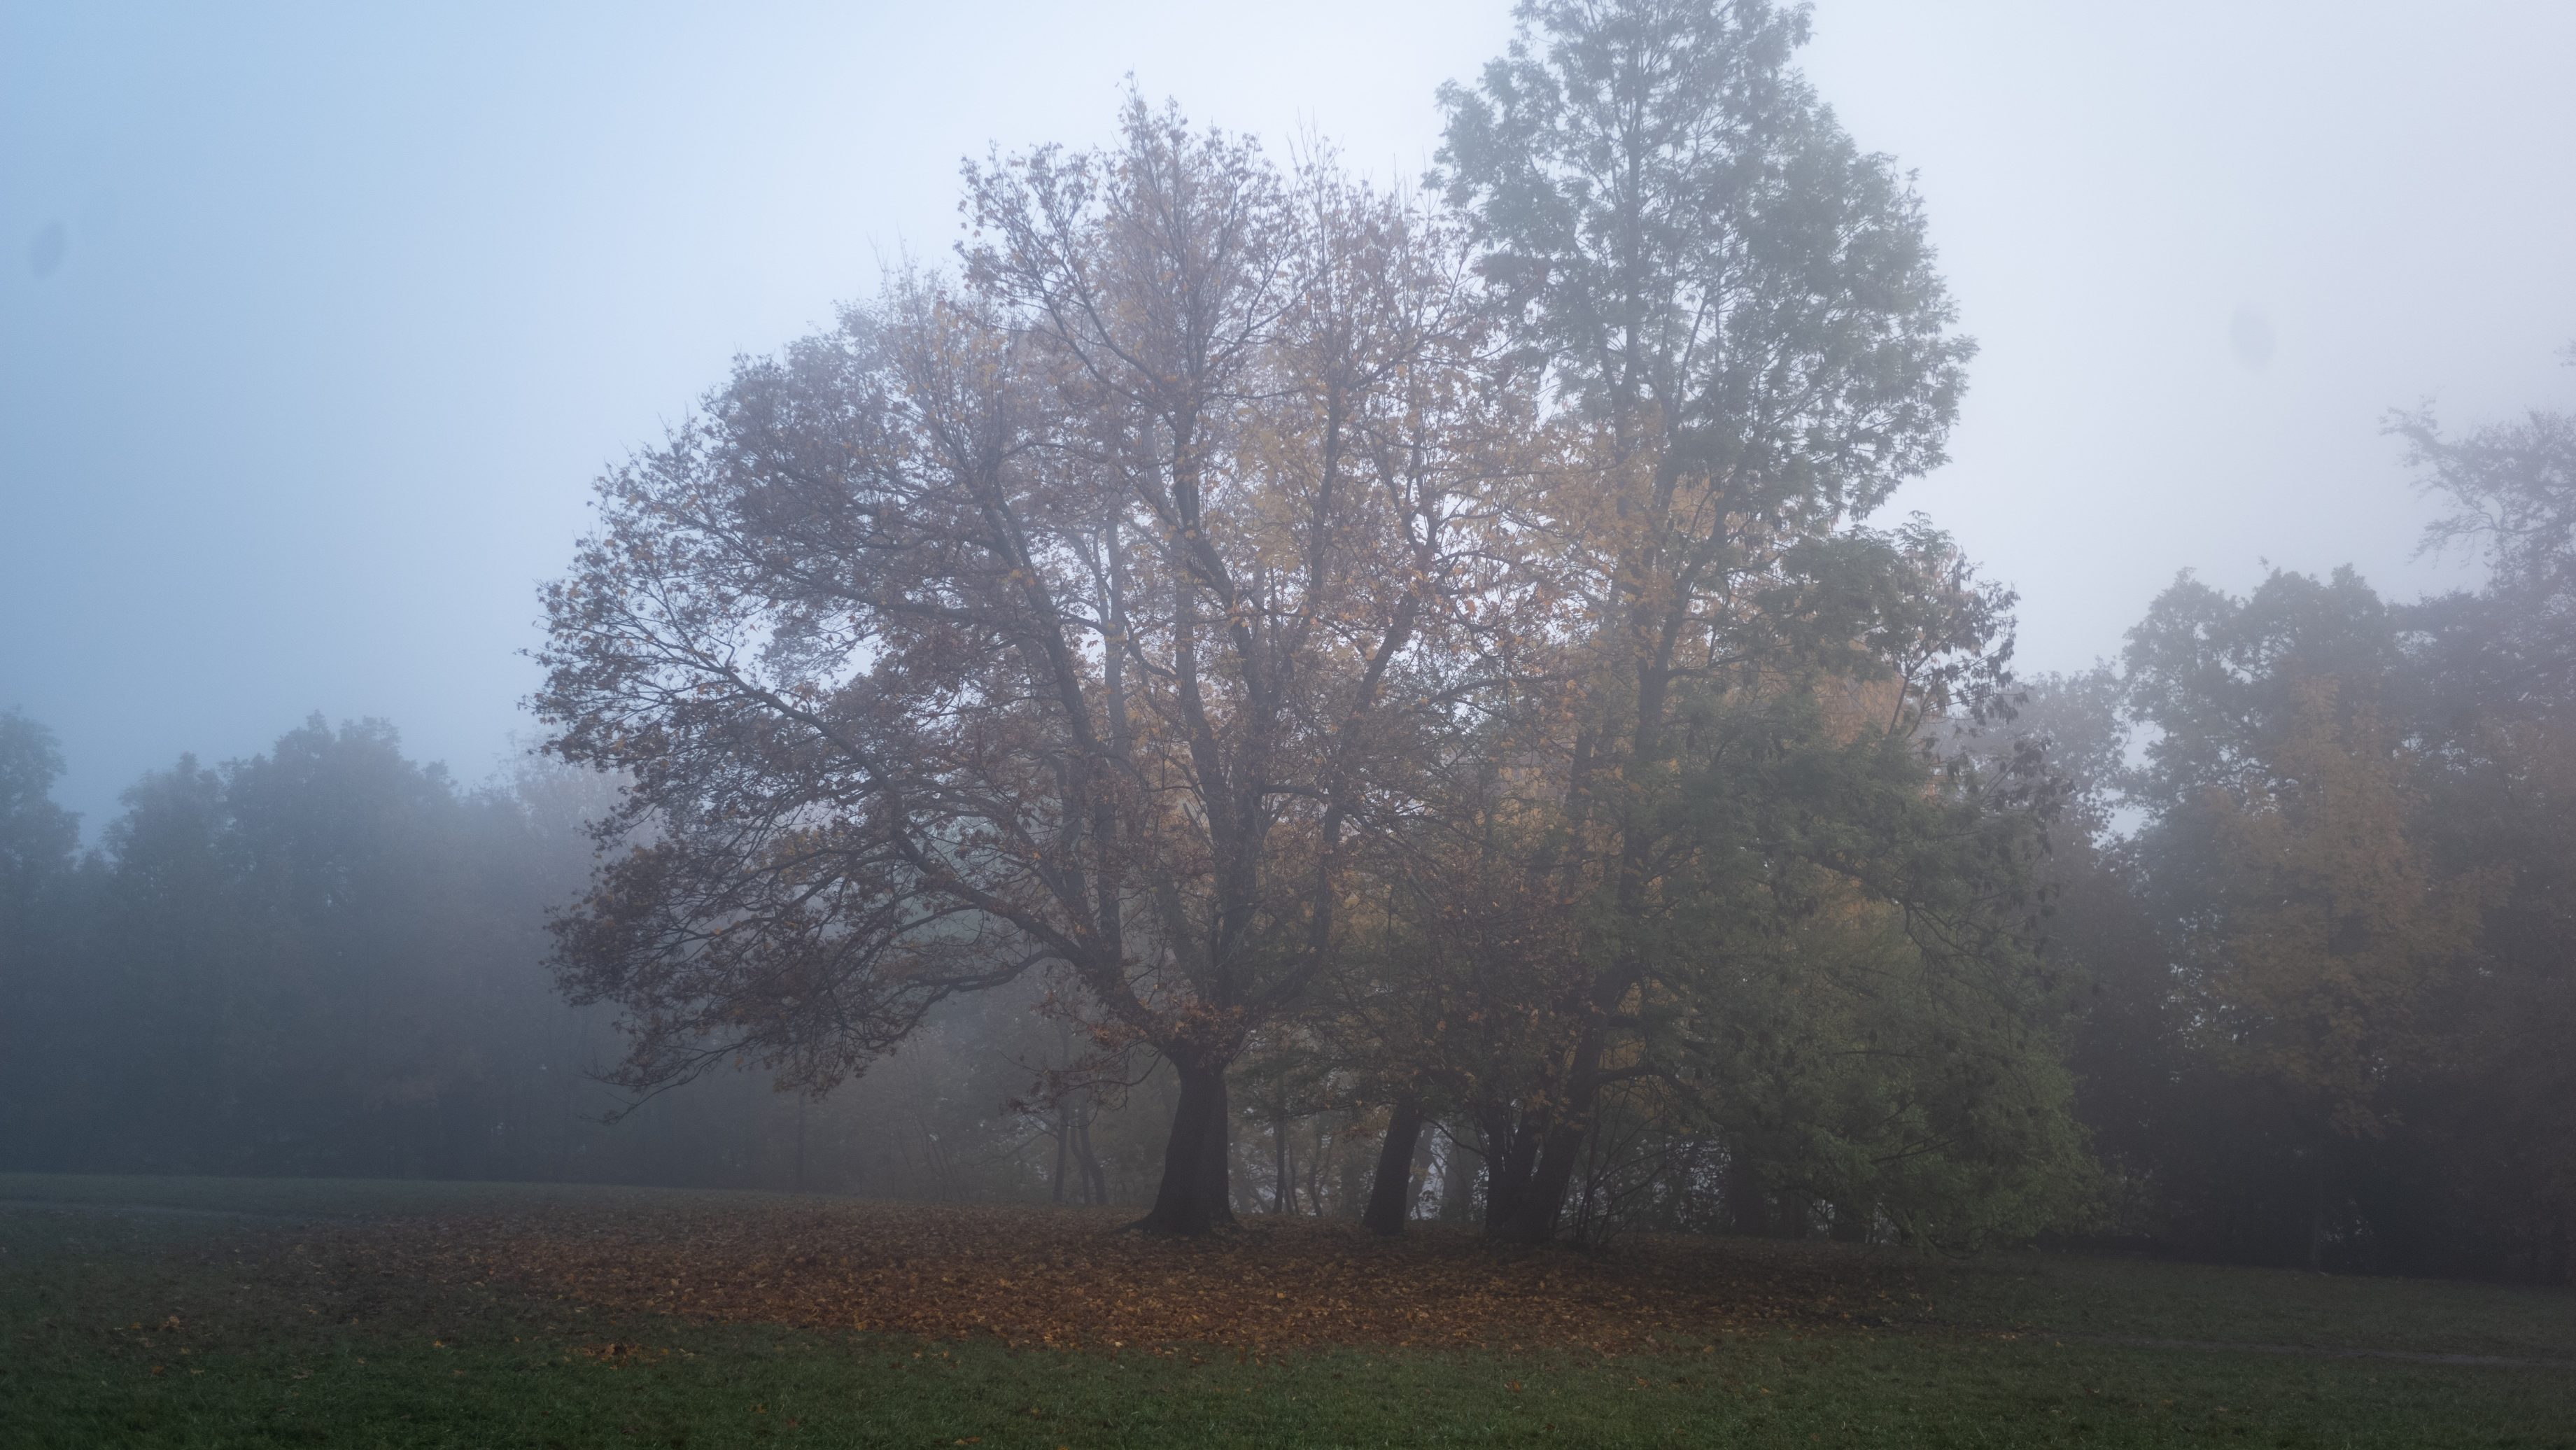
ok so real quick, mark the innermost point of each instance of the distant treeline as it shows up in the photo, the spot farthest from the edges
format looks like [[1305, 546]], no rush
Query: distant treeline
[[328, 960], [2331, 965]]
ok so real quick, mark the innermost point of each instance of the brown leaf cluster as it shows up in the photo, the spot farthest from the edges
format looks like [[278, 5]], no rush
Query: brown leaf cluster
[[1075, 1279]]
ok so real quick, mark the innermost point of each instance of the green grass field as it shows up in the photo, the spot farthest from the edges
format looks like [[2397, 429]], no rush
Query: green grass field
[[223, 1313]]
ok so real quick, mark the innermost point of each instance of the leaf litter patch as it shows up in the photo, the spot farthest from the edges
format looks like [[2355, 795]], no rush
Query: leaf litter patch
[[1073, 1279]]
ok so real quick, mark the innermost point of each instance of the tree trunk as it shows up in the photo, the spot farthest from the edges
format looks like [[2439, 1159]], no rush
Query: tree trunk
[[2317, 1216], [1315, 1170], [1852, 1222], [1419, 1176], [1194, 1198], [1457, 1180], [1351, 1181], [1095, 1179], [1283, 1198], [1511, 1146], [1534, 1212], [1748, 1203], [1391, 1192], [1789, 1216], [1063, 1144], [1560, 1134]]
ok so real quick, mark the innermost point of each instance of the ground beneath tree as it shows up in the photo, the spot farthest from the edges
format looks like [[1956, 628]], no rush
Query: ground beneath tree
[[1073, 1279]]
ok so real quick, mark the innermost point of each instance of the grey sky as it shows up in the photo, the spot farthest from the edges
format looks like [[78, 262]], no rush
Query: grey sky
[[316, 322]]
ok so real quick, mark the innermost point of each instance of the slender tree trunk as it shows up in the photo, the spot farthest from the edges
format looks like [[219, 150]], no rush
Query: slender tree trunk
[[800, 1142], [1353, 1174], [1315, 1171], [1063, 1145], [1194, 1198], [1391, 1192], [1283, 1198], [1095, 1179], [1510, 1150], [1852, 1222], [1457, 1180], [1420, 1177], [2317, 1216], [1748, 1203]]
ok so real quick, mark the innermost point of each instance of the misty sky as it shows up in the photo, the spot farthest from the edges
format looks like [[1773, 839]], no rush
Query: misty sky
[[316, 322]]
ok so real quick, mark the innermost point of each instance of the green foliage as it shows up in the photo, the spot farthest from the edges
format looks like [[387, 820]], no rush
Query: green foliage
[[1867, 1024], [37, 883], [1746, 348], [2329, 967], [36, 835], [1859, 1070], [1700, 255]]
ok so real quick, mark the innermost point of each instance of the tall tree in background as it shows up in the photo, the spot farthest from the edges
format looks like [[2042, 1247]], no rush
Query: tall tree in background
[[2249, 700], [2510, 489], [2499, 667], [1746, 348], [2354, 856], [1076, 619], [37, 839], [2332, 928]]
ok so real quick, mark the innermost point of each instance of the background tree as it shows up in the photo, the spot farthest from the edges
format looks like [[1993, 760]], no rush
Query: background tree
[[2510, 489], [2323, 961], [2332, 928], [37, 840], [2499, 666], [1746, 348]]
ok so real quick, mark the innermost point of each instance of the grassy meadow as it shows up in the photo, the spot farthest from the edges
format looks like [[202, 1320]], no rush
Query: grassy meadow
[[240, 1313]]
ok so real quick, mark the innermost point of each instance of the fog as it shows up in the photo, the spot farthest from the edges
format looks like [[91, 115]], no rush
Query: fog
[[316, 323], [1388, 675]]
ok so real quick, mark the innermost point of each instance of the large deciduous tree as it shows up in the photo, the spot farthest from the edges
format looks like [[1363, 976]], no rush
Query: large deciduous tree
[[1077, 616]]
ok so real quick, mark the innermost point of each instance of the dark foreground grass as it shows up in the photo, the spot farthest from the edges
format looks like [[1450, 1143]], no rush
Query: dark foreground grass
[[193, 1329]]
